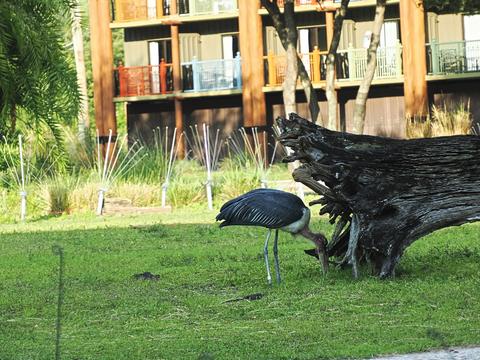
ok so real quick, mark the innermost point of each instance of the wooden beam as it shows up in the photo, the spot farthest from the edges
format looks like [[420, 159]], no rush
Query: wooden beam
[[177, 81], [159, 4], [412, 25], [102, 66], [329, 22], [251, 51]]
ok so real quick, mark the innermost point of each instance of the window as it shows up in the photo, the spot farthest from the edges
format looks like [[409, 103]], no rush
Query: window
[[471, 28], [389, 34], [308, 38], [158, 50], [230, 46]]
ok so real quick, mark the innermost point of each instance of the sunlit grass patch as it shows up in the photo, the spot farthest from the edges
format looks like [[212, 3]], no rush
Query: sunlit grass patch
[[185, 313]]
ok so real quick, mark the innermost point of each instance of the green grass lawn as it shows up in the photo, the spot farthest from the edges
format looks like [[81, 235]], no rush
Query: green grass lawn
[[433, 302]]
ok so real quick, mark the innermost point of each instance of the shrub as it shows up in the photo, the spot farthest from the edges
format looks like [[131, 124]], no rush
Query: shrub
[[444, 121], [59, 196]]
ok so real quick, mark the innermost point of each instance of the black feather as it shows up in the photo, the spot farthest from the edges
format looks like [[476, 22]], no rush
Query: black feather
[[262, 207]]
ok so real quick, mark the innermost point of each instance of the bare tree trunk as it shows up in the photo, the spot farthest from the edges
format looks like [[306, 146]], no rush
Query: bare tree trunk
[[362, 95], [330, 65], [287, 32], [291, 73], [290, 82], [77, 39]]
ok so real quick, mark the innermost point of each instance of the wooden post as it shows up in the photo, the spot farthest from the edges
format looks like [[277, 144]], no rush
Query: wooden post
[[272, 69], [102, 65], [412, 26], [316, 65], [163, 77], [118, 11], [122, 80], [177, 81], [142, 80], [159, 8], [329, 22], [251, 50]]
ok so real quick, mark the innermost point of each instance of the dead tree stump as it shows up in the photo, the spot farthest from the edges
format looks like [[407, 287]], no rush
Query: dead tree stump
[[383, 194]]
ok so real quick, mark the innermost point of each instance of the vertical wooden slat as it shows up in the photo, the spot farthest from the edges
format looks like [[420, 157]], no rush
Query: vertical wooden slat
[[316, 65], [159, 8], [251, 50], [119, 16], [412, 27], [329, 22], [177, 81], [163, 77], [122, 80], [272, 69], [246, 64], [102, 65]]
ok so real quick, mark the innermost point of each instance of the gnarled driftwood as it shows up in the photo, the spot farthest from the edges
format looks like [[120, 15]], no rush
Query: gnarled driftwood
[[383, 194]]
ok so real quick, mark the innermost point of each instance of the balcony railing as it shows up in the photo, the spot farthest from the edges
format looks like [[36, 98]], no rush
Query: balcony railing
[[299, 2], [389, 62], [144, 80], [212, 74], [200, 7], [453, 57], [276, 67], [308, 2], [208, 75], [350, 65], [135, 10]]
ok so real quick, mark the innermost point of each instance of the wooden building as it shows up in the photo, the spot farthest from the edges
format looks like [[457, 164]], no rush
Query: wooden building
[[220, 62]]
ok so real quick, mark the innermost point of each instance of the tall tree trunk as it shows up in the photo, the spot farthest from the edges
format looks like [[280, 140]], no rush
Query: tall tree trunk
[[291, 72], [77, 39], [290, 82], [287, 32], [330, 65], [362, 95]]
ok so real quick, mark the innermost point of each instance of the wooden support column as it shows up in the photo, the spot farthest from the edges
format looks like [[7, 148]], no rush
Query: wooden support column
[[102, 65], [329, 22], [251, 52], [177, 81], [412, 25]]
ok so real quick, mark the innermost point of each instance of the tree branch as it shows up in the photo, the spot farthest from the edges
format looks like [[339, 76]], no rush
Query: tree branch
[[286, 29], [362, 95]]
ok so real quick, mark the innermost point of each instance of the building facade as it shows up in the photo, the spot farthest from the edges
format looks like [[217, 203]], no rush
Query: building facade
[[220, 62]]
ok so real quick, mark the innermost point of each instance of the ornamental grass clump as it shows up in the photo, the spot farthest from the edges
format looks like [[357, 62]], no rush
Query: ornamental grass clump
[[447, 120]]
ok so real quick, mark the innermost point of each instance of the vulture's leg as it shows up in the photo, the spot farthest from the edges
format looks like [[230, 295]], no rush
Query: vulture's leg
[[265, 254], [275, 254]]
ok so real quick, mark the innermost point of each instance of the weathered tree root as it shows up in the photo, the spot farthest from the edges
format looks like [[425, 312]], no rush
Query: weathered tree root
[[383, 194]]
